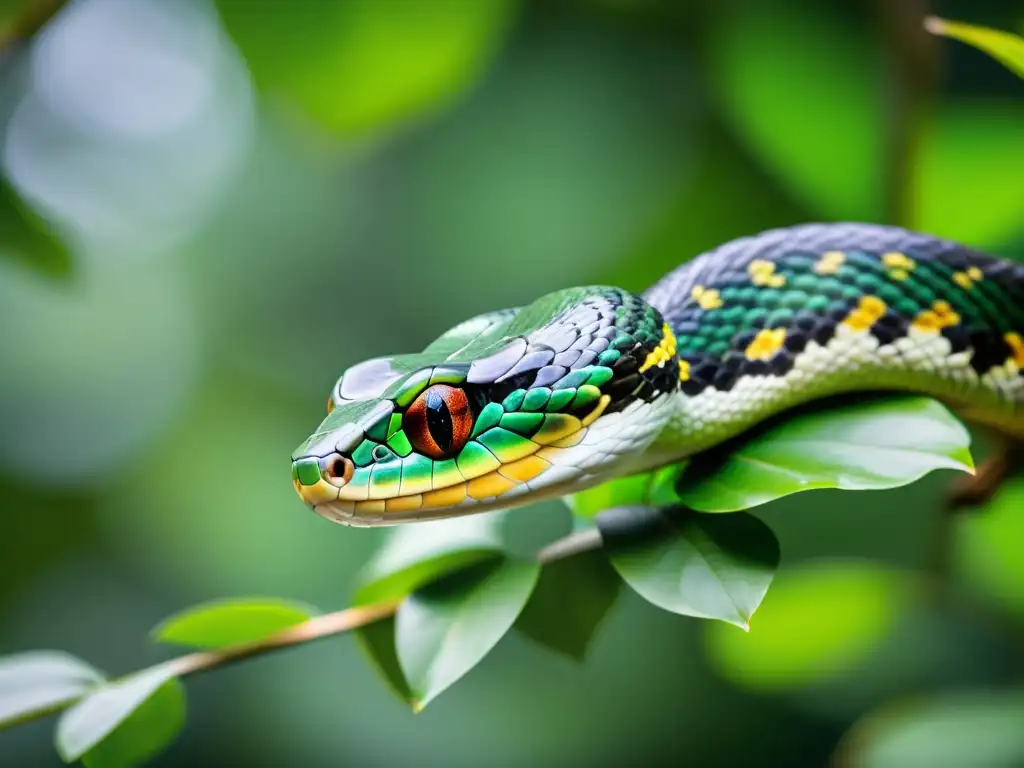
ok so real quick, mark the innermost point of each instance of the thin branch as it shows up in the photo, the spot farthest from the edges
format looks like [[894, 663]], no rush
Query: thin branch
[[913, 73], [27, 24], [328, 625]]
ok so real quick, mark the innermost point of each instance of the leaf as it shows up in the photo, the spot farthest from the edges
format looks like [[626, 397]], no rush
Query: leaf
[[772, 91], [979, 728], [414, 555], [877, 444], [28, 238], [363, 64], [851, 607], [713, 567], [125, 722], [655, 489], [570, 600], [37, 681], [446, 628], [377, 640], [229, 622], [1002, 46]]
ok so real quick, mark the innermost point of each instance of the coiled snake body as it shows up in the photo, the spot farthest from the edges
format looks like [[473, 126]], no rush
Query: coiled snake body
[[590, 384]]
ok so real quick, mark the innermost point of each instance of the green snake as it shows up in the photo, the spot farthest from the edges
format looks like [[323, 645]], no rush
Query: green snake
[[590, 384]]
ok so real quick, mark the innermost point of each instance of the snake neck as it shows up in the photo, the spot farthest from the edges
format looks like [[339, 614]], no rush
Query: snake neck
[[770, 322]]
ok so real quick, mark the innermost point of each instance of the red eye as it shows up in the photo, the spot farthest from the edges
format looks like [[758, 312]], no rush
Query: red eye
[[439, 421]]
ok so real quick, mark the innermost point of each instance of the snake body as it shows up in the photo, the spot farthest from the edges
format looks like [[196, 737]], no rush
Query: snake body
[[590, 384]]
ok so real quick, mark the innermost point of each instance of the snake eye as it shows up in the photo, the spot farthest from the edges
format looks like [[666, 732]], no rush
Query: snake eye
[[338, 470], [439, 421]]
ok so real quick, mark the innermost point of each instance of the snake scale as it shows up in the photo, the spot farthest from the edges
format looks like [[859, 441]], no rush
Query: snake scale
[[589, 384]]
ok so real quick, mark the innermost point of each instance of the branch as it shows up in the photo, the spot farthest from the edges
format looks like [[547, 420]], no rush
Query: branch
[[27, 24], [913, 62], [329, 624]]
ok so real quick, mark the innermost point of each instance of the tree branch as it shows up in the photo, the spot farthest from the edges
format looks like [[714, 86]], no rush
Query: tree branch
[[913, 71], [329, 624]]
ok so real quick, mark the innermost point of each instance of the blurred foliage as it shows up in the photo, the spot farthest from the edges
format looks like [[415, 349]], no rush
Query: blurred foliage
[[229, 259]]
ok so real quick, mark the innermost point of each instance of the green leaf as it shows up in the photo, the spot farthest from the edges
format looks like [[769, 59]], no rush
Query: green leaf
[[771, 91], [124, 723], [713, 567], [28, 238], [377, 640], [976, 728], [38, 681], [414, 555], [570, 600], [972, 145], [229, 622], [655, 489], [850, 606], [446, 628], [871, 445], [363, 64], [1002, 46]]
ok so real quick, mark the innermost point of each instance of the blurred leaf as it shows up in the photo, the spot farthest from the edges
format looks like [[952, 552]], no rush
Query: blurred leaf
[[878, 444], [1002, 46], [976, 728], [972, 145], [656, 489], [414, 555], [228, 622], [27, 237], [446, 628], [818, 621], [377, 639], [988, 547], [124, 723], [570, 600], [363, 64], [714, 567], [802, 91], [37, 681]]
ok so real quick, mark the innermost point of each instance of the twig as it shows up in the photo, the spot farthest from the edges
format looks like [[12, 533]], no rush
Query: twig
[[913, 69], [330, 624]]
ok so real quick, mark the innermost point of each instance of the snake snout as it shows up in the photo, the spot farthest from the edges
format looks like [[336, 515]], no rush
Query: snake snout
[[318, 479]]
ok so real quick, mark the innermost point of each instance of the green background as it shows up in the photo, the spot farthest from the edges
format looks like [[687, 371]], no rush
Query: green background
[[256, 195]]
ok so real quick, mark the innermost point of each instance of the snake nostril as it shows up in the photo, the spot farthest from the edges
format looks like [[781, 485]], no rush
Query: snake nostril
[[338, 470]]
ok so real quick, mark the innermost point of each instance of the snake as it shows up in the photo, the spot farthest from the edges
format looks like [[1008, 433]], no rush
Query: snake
[[593, 384]]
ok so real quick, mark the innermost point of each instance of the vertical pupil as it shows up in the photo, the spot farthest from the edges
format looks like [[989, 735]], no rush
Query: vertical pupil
[[439, 421]]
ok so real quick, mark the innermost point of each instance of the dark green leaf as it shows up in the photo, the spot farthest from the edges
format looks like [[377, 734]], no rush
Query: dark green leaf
[[415, 555], [852, 607], [378, 641], [229, 622], [364, 64], [26, 237], [710, 566], [569, 602], [873, 445], [974, 728], [38, 681], [125, 722], [446, 628], [1002, 46]]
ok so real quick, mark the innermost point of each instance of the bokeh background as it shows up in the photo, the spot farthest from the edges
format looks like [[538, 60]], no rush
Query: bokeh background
[[256, 195]]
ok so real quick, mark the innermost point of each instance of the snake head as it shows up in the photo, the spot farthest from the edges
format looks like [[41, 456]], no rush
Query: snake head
[[502, 410]]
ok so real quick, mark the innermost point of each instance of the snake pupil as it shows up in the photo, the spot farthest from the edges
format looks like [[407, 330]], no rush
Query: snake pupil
[[439, 421]]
